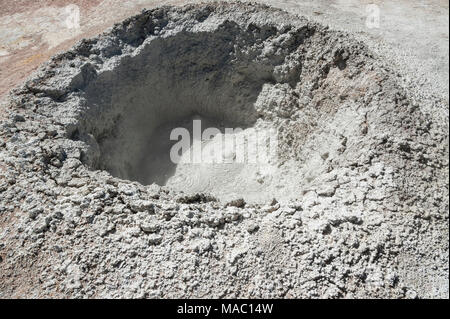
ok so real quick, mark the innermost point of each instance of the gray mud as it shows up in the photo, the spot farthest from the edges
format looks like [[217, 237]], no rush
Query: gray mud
[[90, 206]]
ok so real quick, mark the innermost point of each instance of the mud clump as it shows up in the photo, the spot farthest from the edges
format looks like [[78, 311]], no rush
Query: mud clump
[[91, 205]]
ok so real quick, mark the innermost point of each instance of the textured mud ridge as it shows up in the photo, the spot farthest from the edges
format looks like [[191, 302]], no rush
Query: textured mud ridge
[[88, 208]]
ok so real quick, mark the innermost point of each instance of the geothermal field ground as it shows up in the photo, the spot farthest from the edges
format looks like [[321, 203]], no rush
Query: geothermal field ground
[[186, 149]]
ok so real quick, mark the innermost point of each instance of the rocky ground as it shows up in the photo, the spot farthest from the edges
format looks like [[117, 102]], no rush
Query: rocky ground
[[373, 221]]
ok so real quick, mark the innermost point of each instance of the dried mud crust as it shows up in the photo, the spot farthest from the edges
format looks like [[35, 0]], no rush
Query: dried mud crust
[[371, 215]]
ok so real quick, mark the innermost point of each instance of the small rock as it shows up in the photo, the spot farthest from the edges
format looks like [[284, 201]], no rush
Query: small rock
[[150, 228], [142, 205], [328, 190], [196, 198], [18, 118], [35, 212], [154, 239], [252, 228], [239, 203]]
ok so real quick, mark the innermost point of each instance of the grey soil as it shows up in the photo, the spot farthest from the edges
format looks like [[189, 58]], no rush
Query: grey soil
[[91, 207]]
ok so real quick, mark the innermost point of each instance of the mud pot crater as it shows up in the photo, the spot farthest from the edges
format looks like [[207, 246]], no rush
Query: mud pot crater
[[134, 85], [357, 190]]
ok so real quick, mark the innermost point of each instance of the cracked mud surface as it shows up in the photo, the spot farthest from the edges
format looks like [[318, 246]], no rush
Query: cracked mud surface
[[365, 167]]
